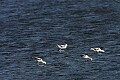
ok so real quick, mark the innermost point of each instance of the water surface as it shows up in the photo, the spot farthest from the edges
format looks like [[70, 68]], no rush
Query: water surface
[[34, 28]]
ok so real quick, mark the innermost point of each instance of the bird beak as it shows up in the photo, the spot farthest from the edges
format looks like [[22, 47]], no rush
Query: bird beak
[[91, 59], [44, 62], [91, 49], [103, 51]]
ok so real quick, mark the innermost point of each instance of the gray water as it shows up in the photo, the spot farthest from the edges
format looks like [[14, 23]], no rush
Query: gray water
[[35, 27]]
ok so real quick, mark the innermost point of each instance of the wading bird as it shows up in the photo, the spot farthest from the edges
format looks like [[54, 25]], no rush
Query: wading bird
[[62, 47], [97, 50], [86, 57], [39, 60]]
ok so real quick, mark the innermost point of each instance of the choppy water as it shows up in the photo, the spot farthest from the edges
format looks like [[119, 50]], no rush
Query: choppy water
[[34, 27]]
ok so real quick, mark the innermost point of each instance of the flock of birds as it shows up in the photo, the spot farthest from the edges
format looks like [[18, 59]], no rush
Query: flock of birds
[[62, 47]]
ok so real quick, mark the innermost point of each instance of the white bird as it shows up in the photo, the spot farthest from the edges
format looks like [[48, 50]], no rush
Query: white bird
[[63, 46], [39, 60], [86, 57], [97, 50]]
